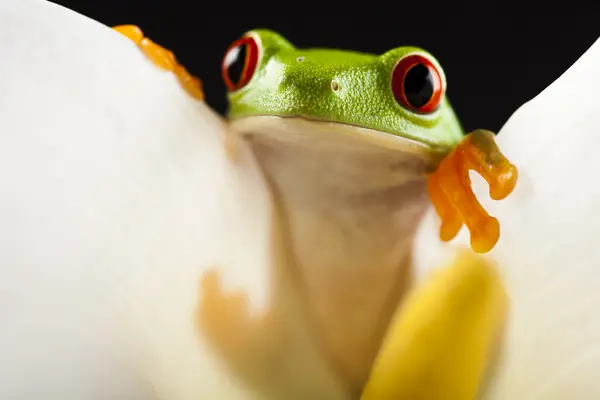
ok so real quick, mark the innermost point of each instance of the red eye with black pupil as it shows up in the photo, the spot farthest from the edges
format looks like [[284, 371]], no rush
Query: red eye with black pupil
[[417, 84], [239, 63]]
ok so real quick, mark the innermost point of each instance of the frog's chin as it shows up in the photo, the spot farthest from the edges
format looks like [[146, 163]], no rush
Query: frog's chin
[[330, 135]]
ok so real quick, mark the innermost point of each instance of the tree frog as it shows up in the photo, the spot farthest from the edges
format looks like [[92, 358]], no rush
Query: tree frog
[[354, 147]]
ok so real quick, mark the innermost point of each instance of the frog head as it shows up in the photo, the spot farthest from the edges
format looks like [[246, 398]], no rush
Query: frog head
[[396, 96]]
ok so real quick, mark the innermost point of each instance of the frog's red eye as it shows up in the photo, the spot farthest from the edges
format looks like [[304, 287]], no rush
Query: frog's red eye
[[417, 84], [239, 63]]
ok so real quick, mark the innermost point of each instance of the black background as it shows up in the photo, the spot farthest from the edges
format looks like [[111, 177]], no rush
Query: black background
[[494, 60]]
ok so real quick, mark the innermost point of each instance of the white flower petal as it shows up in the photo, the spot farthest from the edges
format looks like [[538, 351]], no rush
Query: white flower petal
[[115, 196], [548, 250]]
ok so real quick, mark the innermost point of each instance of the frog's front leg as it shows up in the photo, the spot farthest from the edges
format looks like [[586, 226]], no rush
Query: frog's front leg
[[166, 60], [450, 189]]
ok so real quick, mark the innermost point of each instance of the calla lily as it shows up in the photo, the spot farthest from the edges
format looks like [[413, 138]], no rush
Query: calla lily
[[547, 259], [114, 187], [117, 196], [547, 253]]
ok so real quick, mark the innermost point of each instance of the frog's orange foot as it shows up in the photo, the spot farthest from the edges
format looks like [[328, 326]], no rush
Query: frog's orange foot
[[225, 320], [164, 59], [453, 198]]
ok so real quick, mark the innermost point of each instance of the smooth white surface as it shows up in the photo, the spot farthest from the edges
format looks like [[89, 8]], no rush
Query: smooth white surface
[[115, 195], [548, 251]]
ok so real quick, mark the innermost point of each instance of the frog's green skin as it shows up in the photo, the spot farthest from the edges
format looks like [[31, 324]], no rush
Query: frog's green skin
[[347, 170], [296, 82]]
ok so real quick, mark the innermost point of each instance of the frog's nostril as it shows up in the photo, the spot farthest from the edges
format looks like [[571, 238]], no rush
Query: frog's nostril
[[335, 85]]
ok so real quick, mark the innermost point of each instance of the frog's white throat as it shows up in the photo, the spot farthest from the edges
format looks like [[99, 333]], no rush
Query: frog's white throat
[[350, 199]]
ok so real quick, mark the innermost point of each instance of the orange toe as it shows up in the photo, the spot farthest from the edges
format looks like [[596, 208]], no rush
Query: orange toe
[[131, 31], [189, 82], [160, 56], [164, 59], [453, 198]]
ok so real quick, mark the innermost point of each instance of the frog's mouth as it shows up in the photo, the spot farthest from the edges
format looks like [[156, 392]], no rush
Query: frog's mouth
[[328, 135]]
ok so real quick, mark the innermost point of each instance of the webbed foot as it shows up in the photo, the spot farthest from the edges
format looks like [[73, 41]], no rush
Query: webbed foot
[[225, 320], [164, 59], [450, 189]]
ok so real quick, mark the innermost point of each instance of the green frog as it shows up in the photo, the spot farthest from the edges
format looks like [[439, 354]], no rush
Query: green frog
[[354, 148]]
